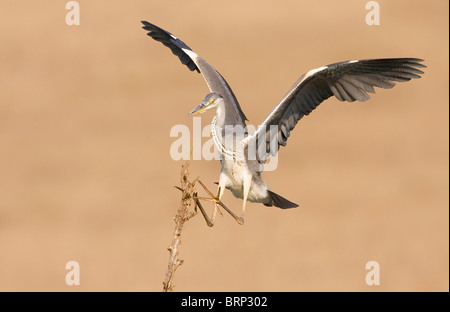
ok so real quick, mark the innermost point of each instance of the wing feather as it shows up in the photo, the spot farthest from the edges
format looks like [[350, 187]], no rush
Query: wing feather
[[347, 81], [214, 80]]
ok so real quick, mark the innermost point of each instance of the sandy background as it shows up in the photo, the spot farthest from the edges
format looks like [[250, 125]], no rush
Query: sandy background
[[86, 174]]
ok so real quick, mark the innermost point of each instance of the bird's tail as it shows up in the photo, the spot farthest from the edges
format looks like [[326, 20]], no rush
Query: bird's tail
[[280, 202]]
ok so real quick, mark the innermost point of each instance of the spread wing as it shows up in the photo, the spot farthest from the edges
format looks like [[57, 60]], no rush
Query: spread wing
[[347, 81], [214, 80]]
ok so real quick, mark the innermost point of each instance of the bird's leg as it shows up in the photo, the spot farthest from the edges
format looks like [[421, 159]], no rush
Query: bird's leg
[[219, 202], [247, 184], [196, 199], [209, 222], [214, 199], [216, 208]]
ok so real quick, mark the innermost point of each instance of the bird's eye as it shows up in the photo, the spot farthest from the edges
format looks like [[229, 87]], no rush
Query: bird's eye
[[212, 102]]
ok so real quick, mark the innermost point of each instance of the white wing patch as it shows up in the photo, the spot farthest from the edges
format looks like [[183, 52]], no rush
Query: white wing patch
[[314, 71], [263, 124], [191, 54], [195, 58]]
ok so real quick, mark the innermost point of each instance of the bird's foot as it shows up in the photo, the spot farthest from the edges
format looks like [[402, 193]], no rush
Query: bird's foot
[[209, 222], [218, 202]]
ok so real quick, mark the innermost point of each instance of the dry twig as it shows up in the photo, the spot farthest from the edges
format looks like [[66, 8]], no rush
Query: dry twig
[[189, 198], [183, 215]]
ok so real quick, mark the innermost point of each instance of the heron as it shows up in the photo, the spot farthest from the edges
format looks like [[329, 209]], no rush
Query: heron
[[241, 174]]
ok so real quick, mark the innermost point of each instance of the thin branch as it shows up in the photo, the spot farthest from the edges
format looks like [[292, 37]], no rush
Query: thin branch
[[183, 215]]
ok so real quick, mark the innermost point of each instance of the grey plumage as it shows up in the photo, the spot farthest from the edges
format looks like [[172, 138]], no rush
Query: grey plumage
[[172, 42], [213, 78], [347, 81]]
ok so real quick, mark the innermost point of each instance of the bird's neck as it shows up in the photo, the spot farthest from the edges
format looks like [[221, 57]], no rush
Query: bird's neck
[[218, 128], [219, 122], [227, 144], [217, 135], [220, 114]]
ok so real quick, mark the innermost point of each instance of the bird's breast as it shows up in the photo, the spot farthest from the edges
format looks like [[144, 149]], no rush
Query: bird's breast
[[232, 177]]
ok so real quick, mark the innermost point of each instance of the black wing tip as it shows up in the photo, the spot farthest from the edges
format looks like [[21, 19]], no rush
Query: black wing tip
[[147, 25], [416, 62], [170, 41], [410, 63], [413, 61], [281, 202]]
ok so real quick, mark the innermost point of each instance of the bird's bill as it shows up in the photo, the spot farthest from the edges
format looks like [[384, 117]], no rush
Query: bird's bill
[[198, 109]]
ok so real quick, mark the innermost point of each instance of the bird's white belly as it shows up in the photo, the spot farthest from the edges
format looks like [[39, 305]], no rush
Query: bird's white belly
[[235, 170], [232, 177]]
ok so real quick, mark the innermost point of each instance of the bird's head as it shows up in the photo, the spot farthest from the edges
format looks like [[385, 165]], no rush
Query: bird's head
[[212, 100]]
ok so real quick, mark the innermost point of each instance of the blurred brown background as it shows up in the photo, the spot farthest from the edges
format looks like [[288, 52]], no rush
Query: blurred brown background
[[86, 174]]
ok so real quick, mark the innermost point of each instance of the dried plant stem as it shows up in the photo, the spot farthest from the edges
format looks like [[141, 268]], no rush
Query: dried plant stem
[[183, 215]]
